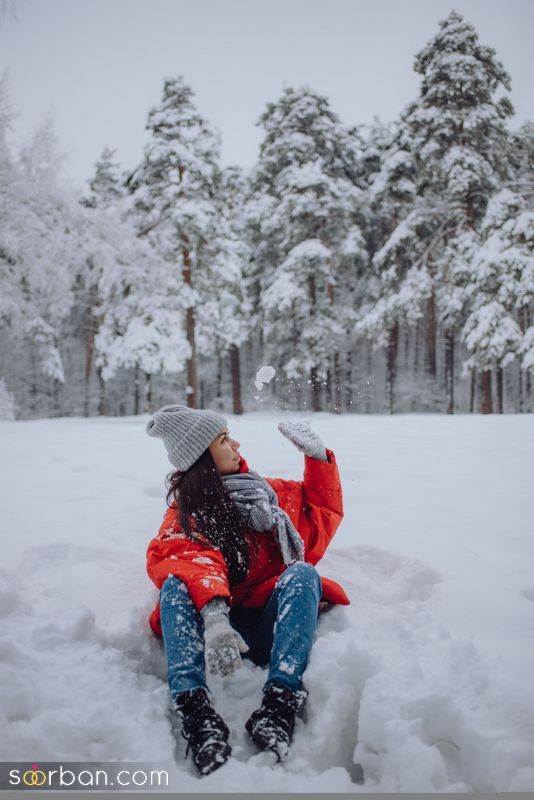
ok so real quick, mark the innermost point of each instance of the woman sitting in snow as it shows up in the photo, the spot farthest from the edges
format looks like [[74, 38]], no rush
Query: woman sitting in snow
[[234, 562]]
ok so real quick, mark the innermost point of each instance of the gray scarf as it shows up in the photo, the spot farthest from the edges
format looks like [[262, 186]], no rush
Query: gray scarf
[[257, 503]]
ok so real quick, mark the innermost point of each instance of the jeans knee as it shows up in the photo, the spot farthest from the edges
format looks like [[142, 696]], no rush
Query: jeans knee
[[306, 573], [172, 586]]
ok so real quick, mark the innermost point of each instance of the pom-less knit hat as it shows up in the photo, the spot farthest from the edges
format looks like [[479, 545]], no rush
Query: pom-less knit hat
[[186, 433]]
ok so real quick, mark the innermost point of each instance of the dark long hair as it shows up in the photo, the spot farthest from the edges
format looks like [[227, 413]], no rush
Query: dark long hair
[[199, 492]]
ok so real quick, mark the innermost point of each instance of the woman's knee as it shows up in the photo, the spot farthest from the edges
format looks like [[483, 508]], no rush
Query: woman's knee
[[173, 587], [306, 574]]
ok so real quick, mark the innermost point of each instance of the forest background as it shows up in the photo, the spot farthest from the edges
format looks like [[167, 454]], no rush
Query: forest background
[[376, 268]]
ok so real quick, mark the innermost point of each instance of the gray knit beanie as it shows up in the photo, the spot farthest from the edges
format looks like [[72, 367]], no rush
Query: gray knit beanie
[[186, 433]]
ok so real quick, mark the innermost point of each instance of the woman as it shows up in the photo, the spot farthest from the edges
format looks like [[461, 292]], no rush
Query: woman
[[234, 562]]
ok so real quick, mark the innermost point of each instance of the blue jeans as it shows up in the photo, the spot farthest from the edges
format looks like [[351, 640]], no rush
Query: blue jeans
[[279, 634]]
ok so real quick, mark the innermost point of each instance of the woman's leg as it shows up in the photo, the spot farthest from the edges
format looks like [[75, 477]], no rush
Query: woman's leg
[[283, 636], [288, 624], [183, 636]]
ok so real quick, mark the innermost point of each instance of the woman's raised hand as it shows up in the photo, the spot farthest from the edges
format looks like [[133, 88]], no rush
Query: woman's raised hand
[[301, 435]]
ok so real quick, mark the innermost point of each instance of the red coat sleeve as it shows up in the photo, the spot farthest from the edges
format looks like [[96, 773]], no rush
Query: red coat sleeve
[[323, 503], [203, 569], [315, 504]]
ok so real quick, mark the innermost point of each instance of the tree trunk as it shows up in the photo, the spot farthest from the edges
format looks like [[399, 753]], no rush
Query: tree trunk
[[91, 328], [406, 348], [147, 393], [338, 401], [524, 386], [334, 375], [449, 368], [315, 383], [416, 348], [328, 390], [369, 372], [509, 387], [430, 360], [528, 375], [348, 379], [218, 384], [470, 212], [192, 385], [236, 380], [33, 391], [102, 404], [88, 366], [499, 390], [136, 390], [486, 404], [391, 364], [298, 394], [472, 390], [191, 367], [56, 397], [315, 390]]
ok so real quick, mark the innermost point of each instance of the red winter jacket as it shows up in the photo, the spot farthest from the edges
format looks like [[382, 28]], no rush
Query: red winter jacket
[[315, 506]]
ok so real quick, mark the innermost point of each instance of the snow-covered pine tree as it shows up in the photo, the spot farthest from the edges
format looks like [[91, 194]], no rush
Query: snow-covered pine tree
[[106, 185], [521, 159], [398, 222], [224, 317], [349, 381], [41, 158], [39, 251], [106, 191], [140, 306], [459, 138], [502, 293], [133, 304], [359, 379], [7, 260], [306, 208], [453, 293], [174, 199]]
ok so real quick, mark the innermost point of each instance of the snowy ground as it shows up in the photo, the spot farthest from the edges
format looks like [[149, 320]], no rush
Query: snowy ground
[[425, 679]]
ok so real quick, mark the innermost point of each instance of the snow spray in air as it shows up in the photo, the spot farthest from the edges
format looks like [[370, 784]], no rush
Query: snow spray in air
[[264, 375]]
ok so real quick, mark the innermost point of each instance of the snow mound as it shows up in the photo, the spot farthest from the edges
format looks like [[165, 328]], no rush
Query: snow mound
[[84, 679]]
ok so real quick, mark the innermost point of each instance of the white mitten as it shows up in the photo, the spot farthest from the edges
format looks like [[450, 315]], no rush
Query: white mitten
[[301, 435], [223, 643]]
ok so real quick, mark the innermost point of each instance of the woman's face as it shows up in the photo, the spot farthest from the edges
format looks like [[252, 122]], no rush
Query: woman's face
[[224, 452]]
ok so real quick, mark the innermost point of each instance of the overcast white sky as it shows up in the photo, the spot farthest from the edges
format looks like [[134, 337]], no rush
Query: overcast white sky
[[97, 65]]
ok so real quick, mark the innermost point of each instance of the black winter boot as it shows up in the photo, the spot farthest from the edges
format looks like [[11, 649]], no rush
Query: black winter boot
[[205, 731], [271, 726]]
